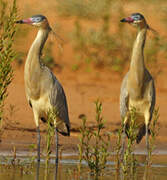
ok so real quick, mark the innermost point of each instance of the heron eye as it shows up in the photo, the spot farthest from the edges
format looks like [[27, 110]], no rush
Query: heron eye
[[136, 17], [37, 19]]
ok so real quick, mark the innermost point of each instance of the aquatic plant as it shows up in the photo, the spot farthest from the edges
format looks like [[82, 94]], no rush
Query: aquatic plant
[[117, 149], [93, 147], [128, 165], [7, 53], [52, 115], [129, 162], [154, 131]]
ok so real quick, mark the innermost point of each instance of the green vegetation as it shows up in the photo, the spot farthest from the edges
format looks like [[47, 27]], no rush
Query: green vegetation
[[93, 147], [97, 40], [52, 115], [93, 43], [7, 53], [129, 163], [154, 130]]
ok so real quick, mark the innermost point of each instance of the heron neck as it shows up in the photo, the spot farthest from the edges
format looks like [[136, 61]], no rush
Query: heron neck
[[137, 66], [37, 46]]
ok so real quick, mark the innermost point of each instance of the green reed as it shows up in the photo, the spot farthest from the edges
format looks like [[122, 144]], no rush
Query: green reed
[[7, 53], [93, 147]]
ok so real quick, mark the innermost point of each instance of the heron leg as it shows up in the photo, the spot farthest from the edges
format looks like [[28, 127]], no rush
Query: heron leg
[[37, 170], [124, 121], [123, 142], [147, 118], [36, 118], [38, 144], [147, 143], [56, 161]]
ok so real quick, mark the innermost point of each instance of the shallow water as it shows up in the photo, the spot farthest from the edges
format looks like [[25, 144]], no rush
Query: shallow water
[[25, 168]]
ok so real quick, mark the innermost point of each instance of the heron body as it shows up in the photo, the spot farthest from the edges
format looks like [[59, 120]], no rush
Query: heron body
[[43, 90], [137, 89]]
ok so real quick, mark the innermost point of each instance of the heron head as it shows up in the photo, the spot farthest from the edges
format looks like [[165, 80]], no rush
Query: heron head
[[136, 19], [37, 20]]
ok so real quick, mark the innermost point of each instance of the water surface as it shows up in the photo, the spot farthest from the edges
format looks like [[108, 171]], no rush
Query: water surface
[[25, 168]]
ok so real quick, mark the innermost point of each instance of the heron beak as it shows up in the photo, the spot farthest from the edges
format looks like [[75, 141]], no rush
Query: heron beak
[[128, 20], [19, 22], [25, 21]]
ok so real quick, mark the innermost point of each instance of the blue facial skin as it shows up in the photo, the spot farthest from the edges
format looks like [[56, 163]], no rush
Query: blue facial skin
[[38, 18], [137, 16]]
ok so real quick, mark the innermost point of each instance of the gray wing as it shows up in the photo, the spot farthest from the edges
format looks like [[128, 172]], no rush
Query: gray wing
[[151, 91], [124, 97], [152, 94], [58, 100]]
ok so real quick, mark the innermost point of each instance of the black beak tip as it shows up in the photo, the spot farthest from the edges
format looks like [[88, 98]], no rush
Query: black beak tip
[[19, 22], [123, 20]]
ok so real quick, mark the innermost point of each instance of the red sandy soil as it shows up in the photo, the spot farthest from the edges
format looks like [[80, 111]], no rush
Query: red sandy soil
[[82, 89]]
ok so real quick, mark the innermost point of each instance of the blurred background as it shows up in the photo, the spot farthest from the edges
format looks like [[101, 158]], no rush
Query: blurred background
[[91, 56], [92, 33]]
